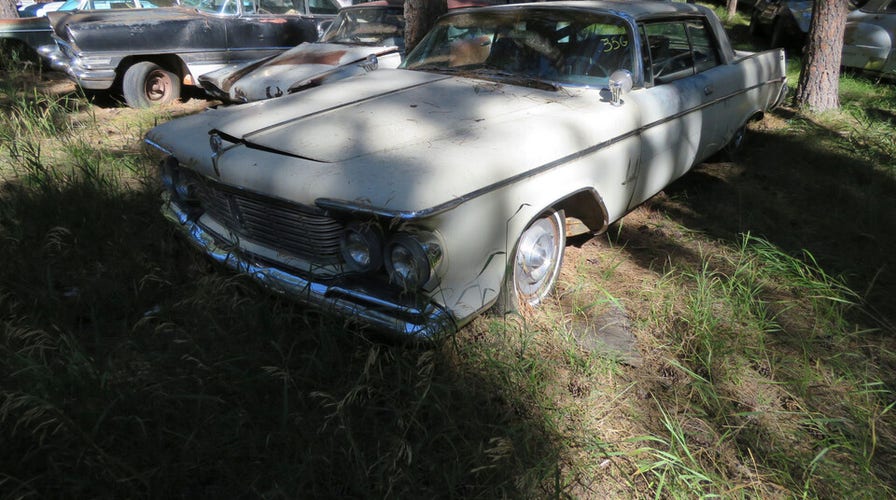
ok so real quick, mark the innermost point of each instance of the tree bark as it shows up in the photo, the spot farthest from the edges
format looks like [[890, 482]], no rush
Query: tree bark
[[8, 9], [419, 17], [732, 7], [819, 84]]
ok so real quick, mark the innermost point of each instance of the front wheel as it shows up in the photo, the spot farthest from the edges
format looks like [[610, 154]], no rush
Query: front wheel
[[147, 84], [535, 266]]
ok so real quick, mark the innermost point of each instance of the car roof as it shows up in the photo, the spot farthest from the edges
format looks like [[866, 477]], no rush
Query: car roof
[[637, 9]]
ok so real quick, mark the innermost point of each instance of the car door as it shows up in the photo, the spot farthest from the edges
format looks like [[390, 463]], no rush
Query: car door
[[683, 103], [670, 134]]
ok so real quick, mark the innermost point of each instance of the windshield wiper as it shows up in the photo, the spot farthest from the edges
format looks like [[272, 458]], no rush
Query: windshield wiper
[[511, 77]]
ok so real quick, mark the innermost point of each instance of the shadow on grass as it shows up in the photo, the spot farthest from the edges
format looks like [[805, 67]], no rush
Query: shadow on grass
[[799, 195], [132, 368]]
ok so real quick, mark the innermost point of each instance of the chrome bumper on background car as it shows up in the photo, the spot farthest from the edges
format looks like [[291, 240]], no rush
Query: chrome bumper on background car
[[382, 314], [90, 79]]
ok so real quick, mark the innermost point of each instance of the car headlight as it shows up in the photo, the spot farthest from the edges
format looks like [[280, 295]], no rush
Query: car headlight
[[182, 187], [411, 259], [185, 190], [362, 247], [168, 173]]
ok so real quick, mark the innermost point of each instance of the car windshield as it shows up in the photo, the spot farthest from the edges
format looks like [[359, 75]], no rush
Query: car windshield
[[525, 46], [367, 26]]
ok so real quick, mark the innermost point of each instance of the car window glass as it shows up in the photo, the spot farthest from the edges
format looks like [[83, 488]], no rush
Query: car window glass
[[705, 54], [322, 7], [678, 49], [670, 51], [367, 26], [563, 47], [278, 7], [211, 6]]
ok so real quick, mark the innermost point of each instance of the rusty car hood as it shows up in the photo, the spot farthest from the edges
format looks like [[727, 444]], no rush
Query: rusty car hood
[[302, 63], [446, 135], [389, 110]]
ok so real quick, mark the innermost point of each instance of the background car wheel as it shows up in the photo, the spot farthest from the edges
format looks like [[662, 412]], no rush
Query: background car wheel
[[535, 264], [755, 30], [779, 34], [147, 84]]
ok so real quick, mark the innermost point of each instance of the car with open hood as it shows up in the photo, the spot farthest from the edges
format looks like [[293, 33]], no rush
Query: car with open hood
[[362, 38], [148, 55], [414, 199]]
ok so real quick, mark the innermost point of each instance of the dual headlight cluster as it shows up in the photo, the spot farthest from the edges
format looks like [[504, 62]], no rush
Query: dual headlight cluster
[[183, 190], [411, 260]]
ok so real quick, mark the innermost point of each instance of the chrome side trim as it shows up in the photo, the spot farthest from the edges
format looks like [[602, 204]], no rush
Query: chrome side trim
[[352, 207], [425, 323]]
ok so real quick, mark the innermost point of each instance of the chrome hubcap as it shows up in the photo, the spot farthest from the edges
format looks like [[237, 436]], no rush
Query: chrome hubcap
[[157, 86], [537, 261]]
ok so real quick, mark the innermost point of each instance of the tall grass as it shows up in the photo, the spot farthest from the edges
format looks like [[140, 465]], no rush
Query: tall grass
[[762, 339], [132, 368]]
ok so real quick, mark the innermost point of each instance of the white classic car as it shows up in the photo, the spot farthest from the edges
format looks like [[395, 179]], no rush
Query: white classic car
[[414, 199], [362, 38], [868, 39]]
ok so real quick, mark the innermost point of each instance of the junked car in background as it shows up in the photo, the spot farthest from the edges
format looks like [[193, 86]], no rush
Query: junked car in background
[[868, 39], [28, 33], [40, 9], [361, 38], [784, 22], [149, 54], [414, 199]]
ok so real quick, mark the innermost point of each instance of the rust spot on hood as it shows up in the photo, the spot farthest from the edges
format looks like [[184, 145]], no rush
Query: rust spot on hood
[[328, 58], [277, 20]]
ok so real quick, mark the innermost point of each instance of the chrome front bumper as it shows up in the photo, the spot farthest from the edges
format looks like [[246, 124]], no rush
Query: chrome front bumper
[[357, 305]]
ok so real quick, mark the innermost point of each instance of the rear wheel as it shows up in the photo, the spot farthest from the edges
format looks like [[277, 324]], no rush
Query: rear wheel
[[736, 145], [147, 84], [536, 263]]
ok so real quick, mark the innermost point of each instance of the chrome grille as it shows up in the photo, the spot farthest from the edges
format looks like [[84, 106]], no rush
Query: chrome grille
[[292, 228]]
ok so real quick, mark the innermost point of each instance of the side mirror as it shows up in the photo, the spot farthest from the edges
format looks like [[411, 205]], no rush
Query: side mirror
[[323, 27], [621, 83]]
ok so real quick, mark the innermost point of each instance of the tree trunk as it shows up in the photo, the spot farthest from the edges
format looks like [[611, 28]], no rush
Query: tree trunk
[[419, 16], [732, 8], [819, 85], [8, 9]]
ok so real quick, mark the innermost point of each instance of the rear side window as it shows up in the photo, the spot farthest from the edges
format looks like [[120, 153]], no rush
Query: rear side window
[[678, 49], [322, 7], [277, 7]]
